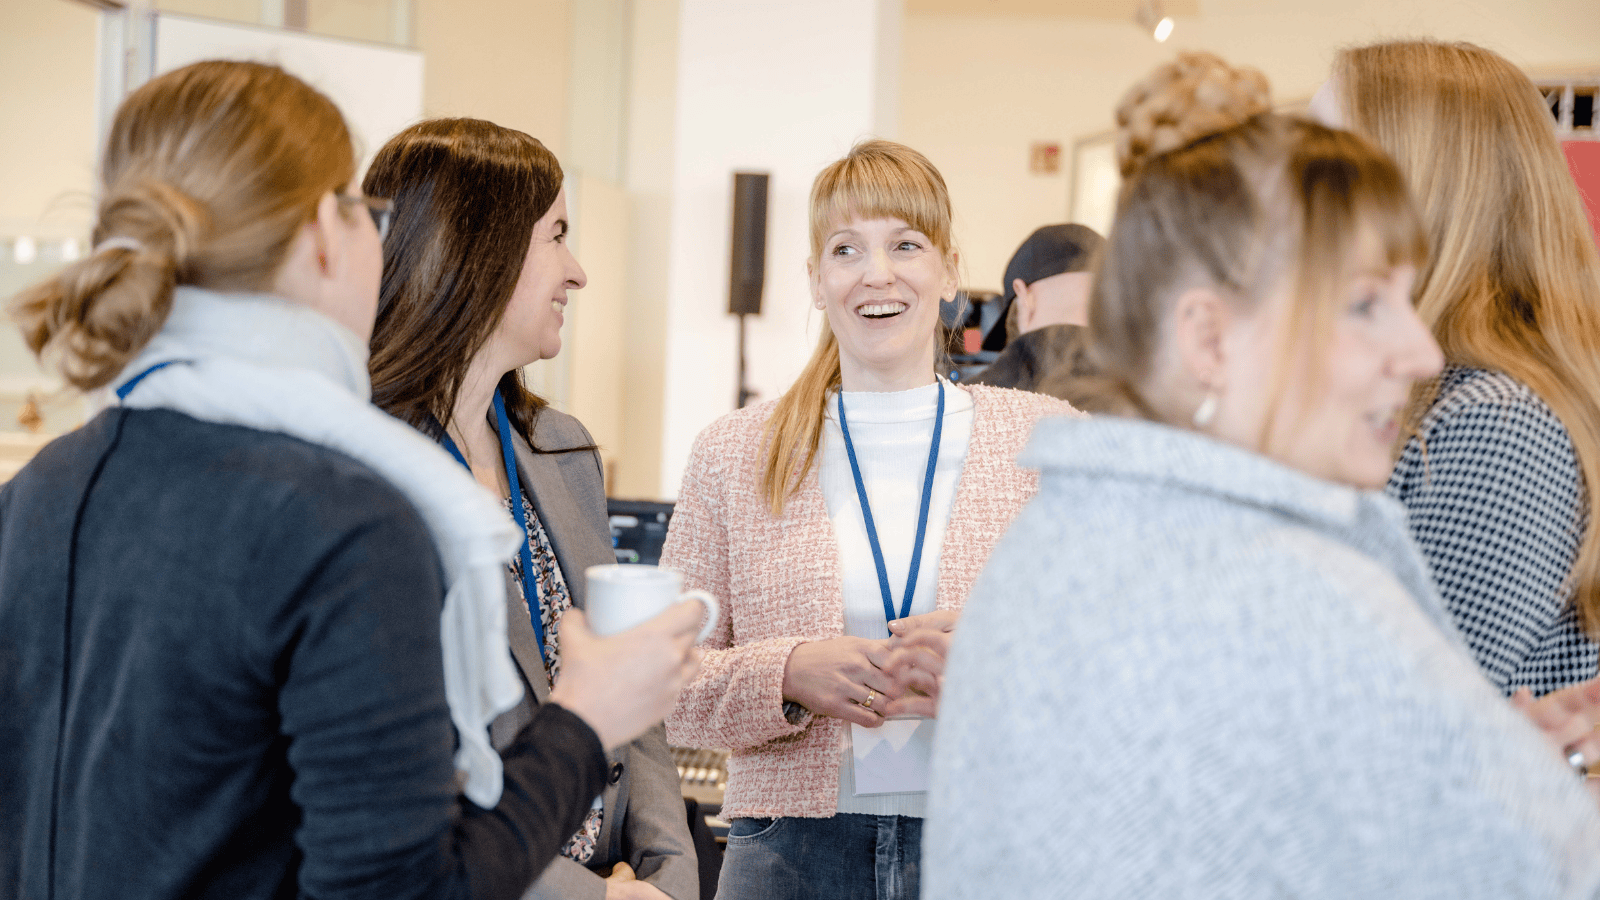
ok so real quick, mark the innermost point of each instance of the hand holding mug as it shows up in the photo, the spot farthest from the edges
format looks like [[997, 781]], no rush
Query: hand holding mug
[[624, 684]]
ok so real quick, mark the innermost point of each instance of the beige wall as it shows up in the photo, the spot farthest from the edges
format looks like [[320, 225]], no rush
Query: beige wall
[[47, 127], [652, 74], [47, 163], [977, 90], [503, 60]]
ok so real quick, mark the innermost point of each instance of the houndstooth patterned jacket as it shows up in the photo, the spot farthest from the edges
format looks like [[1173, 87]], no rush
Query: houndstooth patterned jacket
[[1497, 505]]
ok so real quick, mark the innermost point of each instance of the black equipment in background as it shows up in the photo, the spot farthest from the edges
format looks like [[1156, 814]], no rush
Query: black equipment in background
[[975, 332], [638, 529], [747, 271]]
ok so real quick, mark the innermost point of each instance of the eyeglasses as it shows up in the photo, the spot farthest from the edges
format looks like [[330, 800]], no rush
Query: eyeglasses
[[379, 208]]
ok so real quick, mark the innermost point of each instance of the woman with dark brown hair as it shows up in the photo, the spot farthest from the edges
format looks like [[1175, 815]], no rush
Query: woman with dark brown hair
[[242, 607], [476, 275]]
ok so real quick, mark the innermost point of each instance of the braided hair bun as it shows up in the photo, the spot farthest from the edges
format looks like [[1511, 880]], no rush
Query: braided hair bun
[[1187, 99]]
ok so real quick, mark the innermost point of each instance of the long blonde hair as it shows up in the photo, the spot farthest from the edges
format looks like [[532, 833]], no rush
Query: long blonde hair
[[877, 179], [1513, 283], [1220, 192], [209, 173]]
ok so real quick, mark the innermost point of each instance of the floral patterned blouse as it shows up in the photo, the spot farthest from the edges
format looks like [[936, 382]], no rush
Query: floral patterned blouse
[[550, 586]]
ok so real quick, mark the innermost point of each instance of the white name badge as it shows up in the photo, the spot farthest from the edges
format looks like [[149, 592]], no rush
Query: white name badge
[[894, 758]]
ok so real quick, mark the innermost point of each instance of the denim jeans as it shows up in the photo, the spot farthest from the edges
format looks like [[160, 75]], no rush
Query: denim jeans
[[845, 857]]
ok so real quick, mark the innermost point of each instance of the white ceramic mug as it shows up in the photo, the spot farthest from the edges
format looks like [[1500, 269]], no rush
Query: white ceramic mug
[[623, 596]]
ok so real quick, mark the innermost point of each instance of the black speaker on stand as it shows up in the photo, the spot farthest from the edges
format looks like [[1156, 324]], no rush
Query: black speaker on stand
[[748, 270]]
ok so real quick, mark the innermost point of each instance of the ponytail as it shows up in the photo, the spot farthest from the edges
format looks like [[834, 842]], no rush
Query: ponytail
[[98, 313], [209, 173]]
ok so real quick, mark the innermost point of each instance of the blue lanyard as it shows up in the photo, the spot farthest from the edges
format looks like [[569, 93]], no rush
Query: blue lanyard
[[922, 516], [518, 511], [128, 386]]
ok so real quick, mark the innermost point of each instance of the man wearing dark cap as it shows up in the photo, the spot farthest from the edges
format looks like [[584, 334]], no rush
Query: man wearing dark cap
[[1047, 293]]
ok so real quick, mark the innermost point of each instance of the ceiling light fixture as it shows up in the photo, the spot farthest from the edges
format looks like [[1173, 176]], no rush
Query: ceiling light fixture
[[1152, 18]]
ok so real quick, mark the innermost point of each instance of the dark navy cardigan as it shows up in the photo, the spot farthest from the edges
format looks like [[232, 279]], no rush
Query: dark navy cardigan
[[220, 676]]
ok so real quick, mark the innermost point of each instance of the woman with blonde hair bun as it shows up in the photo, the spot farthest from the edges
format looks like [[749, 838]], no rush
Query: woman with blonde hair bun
[[860, 504], [243, 607], [1207, 660], [1503, 450]]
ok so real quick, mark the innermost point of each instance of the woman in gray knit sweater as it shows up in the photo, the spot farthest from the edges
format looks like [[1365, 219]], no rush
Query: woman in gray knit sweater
[[1207, 659]]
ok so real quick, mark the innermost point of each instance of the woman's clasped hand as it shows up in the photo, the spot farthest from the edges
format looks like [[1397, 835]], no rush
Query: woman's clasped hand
[[1569, 718], [918, 647], [866, 681], [842, 677]]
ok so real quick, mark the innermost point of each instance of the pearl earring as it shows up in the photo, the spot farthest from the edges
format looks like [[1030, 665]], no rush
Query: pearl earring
[[1206, 411]]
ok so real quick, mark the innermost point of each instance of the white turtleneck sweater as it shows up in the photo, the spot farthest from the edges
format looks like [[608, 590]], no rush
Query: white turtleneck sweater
[[891, 433]]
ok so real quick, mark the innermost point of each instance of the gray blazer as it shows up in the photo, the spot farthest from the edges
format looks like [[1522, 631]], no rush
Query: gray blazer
[[644, 824]]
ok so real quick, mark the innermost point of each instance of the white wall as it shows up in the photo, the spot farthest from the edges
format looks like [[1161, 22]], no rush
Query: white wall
[[977, 90], [770, 86]]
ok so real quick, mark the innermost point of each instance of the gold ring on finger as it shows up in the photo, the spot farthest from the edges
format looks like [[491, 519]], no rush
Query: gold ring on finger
[[871, 696]]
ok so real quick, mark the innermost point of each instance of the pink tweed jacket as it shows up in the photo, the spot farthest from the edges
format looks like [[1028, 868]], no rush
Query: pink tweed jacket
[[779, 582]]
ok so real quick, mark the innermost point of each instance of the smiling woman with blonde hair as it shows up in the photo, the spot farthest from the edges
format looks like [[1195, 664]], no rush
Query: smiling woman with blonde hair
[[1503, 454], [869, 494]]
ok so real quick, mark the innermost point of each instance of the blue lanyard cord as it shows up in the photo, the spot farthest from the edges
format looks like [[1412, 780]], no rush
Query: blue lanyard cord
[[128, 386], [922, 515], [518, 512]]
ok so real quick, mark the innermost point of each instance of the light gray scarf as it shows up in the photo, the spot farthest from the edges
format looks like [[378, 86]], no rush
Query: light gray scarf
[[267, 363]]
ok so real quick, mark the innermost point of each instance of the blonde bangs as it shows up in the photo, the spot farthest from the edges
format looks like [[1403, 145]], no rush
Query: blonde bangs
[[881, 180]]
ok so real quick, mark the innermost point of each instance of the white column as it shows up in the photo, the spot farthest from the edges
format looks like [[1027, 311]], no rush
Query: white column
[[780, 87]]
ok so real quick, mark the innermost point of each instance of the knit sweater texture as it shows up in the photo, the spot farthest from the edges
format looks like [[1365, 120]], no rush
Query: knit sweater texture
[[1189, 671], [779, 581]]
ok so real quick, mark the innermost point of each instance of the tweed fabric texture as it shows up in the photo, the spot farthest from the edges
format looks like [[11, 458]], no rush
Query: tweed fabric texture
[[1189, 671], [1497, 505], [779, 582]]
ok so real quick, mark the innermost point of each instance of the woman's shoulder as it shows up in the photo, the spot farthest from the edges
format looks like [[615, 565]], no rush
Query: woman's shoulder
[[554, 429], [1464, 390], [229, 478], [740, 430], [1009, 415], [1489, 414]]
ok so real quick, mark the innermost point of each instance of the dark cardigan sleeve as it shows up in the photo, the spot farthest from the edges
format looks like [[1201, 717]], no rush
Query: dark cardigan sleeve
[[370, 742]]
